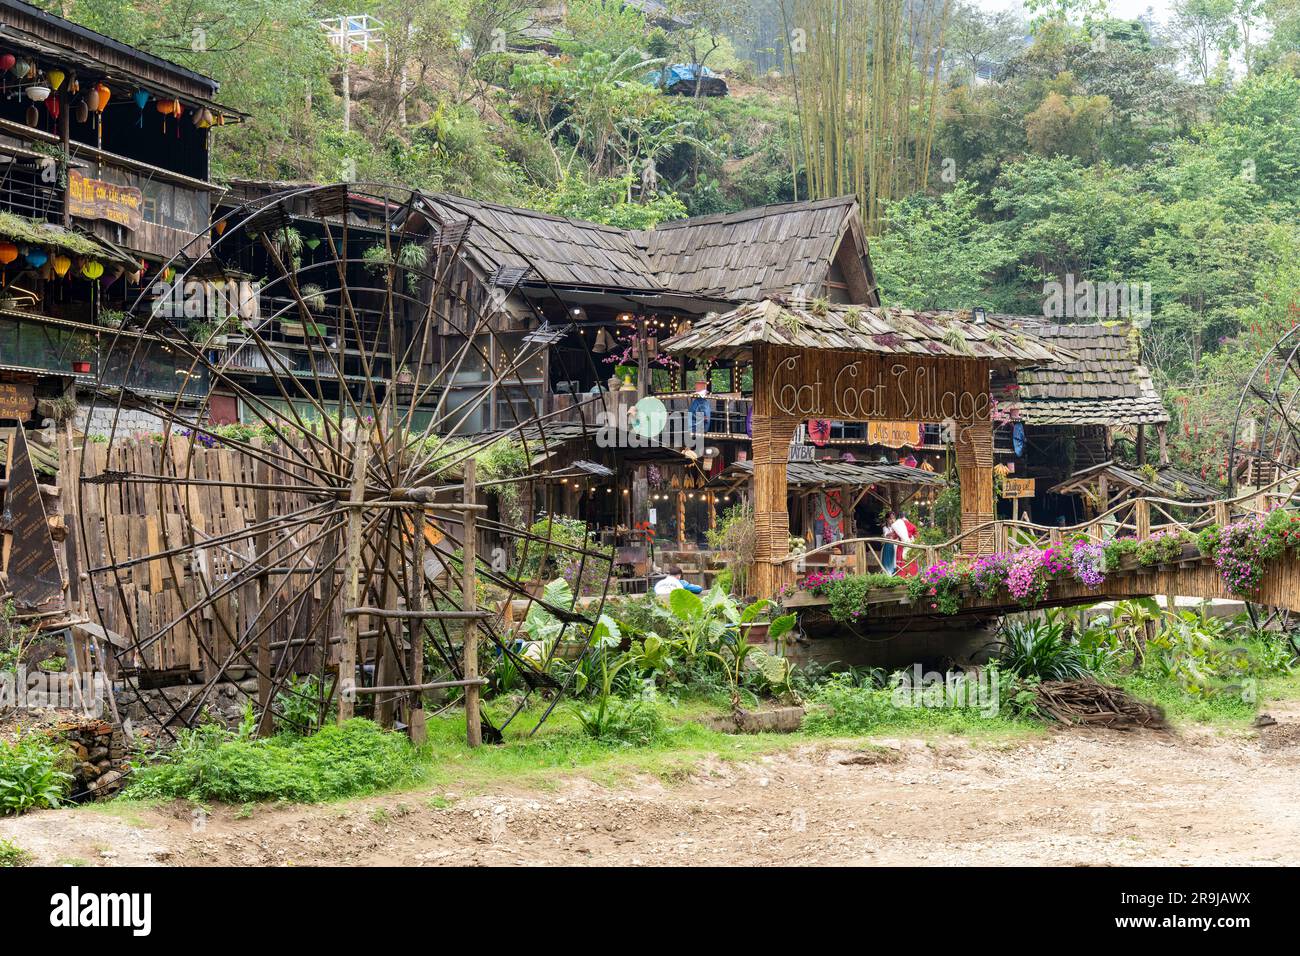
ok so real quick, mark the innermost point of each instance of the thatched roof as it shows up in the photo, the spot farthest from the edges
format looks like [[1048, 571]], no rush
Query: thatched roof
[[812, 474], [891, 331], [770, 250], [1105, 384], [37, 232], [1124, 480]]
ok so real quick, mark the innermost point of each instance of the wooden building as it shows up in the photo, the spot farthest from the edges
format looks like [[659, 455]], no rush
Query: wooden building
[[1066, 419], [103, 178]]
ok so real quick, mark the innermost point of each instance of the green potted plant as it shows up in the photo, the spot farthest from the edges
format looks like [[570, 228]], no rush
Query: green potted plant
[[82, 350], [404, 376]]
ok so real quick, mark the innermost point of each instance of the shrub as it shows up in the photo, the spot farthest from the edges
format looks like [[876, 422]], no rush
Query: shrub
[[1041, 648], [12, 855], [342, 760], [634, 722], [846, 595], [32, 775]]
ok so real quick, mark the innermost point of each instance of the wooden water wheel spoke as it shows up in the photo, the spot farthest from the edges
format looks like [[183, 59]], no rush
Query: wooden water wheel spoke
[[325, 538]]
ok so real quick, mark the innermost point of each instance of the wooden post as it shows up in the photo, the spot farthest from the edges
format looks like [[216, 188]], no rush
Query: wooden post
[[975, 473], [352, 581], [469, 601], [1141, 444], [261, 542], [1142, 518], [416, 720]]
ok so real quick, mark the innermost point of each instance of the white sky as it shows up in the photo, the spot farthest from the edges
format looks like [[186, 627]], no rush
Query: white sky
[[1120, 9]]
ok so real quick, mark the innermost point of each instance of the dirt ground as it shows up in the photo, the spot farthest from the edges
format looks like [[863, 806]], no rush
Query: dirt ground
[[1072, 797]]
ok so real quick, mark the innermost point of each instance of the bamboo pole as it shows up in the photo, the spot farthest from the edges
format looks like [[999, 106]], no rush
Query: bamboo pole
[[469, 601], [347, 682]]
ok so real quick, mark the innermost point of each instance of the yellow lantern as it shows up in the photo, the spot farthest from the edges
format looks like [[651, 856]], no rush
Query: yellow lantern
[[92, 269], [61, 265], [56, 78]]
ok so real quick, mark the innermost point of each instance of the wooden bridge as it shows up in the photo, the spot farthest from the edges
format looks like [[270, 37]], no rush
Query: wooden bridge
[[1188, 574]]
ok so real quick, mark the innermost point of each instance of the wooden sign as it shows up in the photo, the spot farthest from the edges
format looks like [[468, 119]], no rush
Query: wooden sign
[[1017, 487], [861, 386], [16, 400], [33, 569], [99, 199], [894, 434]]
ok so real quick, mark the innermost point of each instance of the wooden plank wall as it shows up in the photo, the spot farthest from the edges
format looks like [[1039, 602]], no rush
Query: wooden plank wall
[[127, 520]]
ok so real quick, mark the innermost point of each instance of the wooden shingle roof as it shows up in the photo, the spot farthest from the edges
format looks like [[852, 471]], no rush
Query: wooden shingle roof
[[563, 252], [1105, 384], [850, 328], [811, 474], [769, 250], [1123, 480]]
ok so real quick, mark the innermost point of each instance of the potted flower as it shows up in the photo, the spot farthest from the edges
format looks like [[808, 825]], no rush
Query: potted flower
[[404, 376], [83, 349]]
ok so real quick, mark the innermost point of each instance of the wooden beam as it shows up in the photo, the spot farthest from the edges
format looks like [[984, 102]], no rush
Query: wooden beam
[[469, 601], [347, 682]]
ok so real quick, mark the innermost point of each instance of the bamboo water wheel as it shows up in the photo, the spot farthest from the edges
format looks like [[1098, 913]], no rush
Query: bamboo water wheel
[[344, 544]]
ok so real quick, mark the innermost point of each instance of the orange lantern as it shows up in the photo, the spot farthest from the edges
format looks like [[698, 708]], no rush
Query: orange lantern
[[166, 107], [104, 93], [8, 253]]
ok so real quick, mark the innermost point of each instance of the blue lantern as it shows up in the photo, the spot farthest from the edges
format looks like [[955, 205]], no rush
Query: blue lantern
[[37, 257]]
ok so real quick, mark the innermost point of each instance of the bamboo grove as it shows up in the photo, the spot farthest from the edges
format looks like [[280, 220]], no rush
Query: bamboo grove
[[865, 78]]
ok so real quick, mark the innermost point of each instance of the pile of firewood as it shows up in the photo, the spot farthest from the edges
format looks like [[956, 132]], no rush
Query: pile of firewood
[[1093, 704]]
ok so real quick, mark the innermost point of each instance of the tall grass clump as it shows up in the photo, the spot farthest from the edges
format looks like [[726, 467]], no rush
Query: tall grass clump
[[343, 760]]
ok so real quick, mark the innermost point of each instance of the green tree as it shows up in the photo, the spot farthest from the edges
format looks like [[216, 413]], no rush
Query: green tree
[[935, 253]]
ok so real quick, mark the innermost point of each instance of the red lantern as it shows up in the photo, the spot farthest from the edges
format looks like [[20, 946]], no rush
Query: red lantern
[[7, 61]]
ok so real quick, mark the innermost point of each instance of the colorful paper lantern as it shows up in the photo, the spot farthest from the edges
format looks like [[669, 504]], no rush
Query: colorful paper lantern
[[7, 61], [166, 107], [141, 97], [19, 68], [104, 94], [55, 77], [38, 93], [8, 253], [61, 265], [92, 269], [37, 257], [92, 100]]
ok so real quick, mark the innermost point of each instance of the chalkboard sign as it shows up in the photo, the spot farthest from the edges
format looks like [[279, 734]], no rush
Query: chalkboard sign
[[16, 401], [33, 570]]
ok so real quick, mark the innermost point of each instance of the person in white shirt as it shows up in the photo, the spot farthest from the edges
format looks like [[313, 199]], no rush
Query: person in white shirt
[[671, 581], [896, 528]]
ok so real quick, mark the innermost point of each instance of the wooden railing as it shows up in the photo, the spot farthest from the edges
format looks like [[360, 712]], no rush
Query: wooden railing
[[1136, 517]]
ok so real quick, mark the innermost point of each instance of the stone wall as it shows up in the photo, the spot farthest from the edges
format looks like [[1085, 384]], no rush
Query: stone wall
[[99, 420]]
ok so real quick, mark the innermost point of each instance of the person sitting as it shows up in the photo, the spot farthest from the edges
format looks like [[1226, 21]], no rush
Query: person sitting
[[671, 581]]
